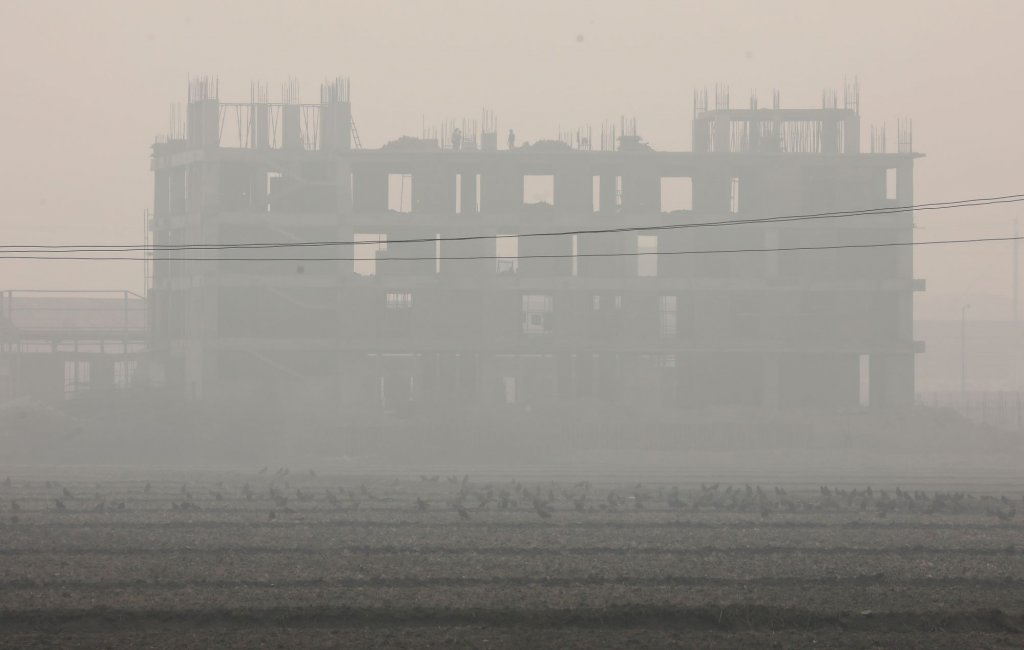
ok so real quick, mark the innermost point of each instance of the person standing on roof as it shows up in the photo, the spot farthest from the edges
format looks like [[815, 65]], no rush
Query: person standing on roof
[[511, 139]]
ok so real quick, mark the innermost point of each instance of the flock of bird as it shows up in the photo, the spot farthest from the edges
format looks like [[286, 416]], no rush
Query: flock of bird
[[464, 497]]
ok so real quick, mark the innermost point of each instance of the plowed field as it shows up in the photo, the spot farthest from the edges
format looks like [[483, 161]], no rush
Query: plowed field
[[173, 559]]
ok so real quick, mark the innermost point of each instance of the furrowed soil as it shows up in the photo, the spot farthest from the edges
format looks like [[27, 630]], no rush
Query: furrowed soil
[[276, 559]]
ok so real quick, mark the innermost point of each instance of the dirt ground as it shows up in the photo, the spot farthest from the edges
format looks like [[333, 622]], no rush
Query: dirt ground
[[280, 558]]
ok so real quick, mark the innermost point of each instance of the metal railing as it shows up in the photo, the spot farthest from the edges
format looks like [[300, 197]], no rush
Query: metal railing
[[1000, 409]]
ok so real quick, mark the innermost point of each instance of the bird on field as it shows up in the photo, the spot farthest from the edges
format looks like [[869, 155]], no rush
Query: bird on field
[[263, 471], [312, 473], [247, 491], [463, 513], [217, 495], [505, 500], [541, 508], [60, 505], [421, 505], [66, 492], [271, 516], [100, 507], [7, 482], [148, 488], [15, 506]]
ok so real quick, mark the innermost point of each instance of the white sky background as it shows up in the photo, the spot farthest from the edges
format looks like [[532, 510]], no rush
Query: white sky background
[[87, 86]]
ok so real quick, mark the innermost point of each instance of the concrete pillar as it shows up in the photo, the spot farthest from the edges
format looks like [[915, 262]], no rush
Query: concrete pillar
[[335, 126], [161, 193], [261, 126], [829, 135], [851, 134], [369, 191], [676, 266], [467, 191], [388, 266], [892, 380], [545, 266], [210, 110], [482, 248], [641, 194], [608, 193], [210, 187], [291, 130], [258, 196], [905, 220], [711, 192], [720, 132], [574, 192], [434, 190], [501, 190], [343, 187], [606, 267], [701, 137]]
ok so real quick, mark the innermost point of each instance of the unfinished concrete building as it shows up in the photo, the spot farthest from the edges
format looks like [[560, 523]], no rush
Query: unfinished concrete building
[[56, 345], [461, 299]]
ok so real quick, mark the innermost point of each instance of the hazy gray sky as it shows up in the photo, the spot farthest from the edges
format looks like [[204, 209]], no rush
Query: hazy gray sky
[[87, 86]]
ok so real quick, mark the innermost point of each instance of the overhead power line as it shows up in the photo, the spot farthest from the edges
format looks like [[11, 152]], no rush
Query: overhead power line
[[976, 240], [100, 248]]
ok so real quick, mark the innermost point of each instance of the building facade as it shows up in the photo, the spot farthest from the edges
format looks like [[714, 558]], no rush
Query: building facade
[[459, 295]]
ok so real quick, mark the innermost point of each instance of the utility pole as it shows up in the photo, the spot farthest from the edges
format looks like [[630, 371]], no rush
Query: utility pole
[[963, 358], [1016, 275]]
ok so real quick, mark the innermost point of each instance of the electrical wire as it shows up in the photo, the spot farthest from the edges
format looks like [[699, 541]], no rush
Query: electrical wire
[[518, 257], [941, 205]]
